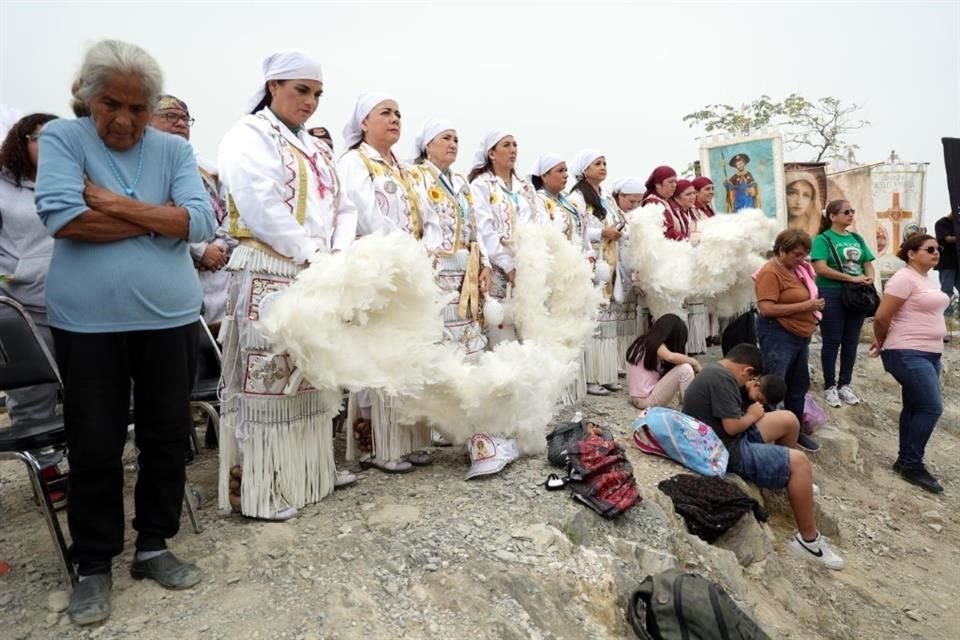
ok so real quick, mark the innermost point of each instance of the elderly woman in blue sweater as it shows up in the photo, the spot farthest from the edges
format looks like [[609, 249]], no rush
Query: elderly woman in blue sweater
[[123, 202]]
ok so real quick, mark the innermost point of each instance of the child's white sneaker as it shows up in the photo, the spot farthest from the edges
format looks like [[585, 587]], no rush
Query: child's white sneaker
[[817, 550]]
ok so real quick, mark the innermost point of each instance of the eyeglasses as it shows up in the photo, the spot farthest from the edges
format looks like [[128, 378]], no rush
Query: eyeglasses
[[847, 212], [32, 137], [174, 118], [931, 249]]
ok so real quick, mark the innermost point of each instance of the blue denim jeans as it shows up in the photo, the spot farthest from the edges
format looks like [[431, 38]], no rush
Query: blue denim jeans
[[786, 355], [840, 330], [918, 374], [949, 282]]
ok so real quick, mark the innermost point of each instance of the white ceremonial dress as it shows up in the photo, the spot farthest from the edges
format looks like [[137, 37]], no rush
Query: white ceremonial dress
[[499, 212], [382, 197], [282, 193]]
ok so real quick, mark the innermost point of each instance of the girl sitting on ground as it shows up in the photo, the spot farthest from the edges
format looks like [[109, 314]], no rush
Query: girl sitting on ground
[[657, 367]]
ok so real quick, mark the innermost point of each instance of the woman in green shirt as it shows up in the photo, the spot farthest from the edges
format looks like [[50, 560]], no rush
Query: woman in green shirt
[[839, 256]]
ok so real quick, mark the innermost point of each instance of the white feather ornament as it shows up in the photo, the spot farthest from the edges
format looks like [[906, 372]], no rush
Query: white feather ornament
[[493, 311], [369, 317]]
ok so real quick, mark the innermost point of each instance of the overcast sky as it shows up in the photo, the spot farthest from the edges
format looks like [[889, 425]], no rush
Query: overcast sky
[[561, 76]]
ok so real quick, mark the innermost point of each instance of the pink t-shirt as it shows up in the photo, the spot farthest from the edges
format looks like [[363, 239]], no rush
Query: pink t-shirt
[[640, 381], [919, 324]]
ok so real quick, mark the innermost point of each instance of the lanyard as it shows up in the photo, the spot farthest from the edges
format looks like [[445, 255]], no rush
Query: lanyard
[[457, 197]]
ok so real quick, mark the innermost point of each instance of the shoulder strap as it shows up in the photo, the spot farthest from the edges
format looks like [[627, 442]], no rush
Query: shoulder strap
[[833, 251]]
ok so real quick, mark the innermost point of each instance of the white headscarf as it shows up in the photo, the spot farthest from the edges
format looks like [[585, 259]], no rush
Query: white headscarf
[[490, 140], [583, 160], [431, 129], [631, 185], [286, 64], [545, 163], [352, 133]]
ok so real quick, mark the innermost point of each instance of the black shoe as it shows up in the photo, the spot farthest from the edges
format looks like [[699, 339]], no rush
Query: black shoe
[[90, 600], [806, 442], [917, 474], [897, 465], [167, 571]]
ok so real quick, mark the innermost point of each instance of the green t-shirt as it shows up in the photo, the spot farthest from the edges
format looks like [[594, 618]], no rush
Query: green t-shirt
[[851, 248]]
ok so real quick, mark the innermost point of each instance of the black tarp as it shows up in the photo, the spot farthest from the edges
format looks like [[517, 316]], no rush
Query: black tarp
[[951, 159]]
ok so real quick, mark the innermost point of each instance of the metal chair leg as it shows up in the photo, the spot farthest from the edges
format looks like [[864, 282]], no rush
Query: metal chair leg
[[191, 511], [212, 415], [39, 488]]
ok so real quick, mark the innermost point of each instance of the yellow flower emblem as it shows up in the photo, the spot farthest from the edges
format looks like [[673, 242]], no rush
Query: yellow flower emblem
[[550, 206], [494, 199], [468, 197], [435, 194], [377, 170]]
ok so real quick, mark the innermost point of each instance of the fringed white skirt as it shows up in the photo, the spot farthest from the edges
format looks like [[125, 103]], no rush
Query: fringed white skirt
[[274, 425]]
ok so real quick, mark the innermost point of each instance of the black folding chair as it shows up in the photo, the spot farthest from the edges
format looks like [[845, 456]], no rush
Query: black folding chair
[[206, 389], [25, 361]]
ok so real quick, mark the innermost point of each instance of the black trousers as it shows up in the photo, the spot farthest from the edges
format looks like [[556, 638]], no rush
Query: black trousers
[[97, 369]]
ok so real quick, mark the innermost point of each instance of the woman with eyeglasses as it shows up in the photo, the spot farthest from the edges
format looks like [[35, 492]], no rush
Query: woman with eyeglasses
[[909, 330], [840, 256], [605, 228], [789, 305], [380, 196], [25, 251], [173, 116]]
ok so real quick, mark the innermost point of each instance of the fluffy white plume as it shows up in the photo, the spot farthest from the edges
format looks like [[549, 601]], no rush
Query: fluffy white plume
[[602, 272], [369, 317], [493, 311], [717, 270]]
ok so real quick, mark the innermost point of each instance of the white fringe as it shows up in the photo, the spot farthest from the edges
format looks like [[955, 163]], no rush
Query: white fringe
[[696, 327], [576, 391], [245, 258], [601, 359]]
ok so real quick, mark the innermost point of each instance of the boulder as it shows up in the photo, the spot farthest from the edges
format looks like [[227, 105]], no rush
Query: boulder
[[748, 540], [720, 565], [838, 448]]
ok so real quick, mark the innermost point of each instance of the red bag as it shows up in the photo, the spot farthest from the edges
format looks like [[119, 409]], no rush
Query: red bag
[[600, 475]]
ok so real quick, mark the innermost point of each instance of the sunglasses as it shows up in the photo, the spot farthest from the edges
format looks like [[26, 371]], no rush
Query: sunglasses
[[847, 212], [931, 249]]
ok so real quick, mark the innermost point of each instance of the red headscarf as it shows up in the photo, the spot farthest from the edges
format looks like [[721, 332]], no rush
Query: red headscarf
[[700, 182], [659, 174]]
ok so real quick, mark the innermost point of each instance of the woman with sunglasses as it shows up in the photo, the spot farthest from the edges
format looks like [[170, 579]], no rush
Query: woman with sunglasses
[[909, 330], [840, 256]]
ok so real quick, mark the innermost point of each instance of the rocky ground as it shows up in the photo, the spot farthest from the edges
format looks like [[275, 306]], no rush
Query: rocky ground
[[427, 555]]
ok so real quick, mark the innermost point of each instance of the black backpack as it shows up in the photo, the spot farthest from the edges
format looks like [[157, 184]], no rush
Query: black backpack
[[742, 329], [676, 605]]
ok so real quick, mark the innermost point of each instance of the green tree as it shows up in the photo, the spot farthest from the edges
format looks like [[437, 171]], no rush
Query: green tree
[[821, 127]]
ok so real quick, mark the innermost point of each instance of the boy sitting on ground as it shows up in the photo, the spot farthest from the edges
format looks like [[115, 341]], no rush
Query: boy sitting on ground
[[762, 445]]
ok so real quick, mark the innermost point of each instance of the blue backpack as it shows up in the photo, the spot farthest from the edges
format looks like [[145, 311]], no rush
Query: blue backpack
[[665, 432]]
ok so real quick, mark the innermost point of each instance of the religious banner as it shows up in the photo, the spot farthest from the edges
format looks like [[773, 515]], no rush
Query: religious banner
[[898, 191], [806, 194], [747, 173], [856, 187]]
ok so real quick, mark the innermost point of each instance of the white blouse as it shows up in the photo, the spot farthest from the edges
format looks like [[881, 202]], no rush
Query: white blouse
[[379, 197], [281, 186], [449, 197], [558, 210], [498, 212]]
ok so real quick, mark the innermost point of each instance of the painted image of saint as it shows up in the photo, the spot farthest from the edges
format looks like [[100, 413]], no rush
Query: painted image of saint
[[743, 192], [803, 202]]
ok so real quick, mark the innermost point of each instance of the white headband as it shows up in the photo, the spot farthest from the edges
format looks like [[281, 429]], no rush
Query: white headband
[[352, 133], [490, 140], [431, 129], [584, 159], [545, 163], [630, 185], [286, 64]]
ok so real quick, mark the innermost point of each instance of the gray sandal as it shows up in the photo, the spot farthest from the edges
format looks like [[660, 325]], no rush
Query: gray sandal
[[90, 600]]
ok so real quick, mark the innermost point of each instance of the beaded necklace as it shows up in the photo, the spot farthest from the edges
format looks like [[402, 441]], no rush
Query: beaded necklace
[[116, 173]]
